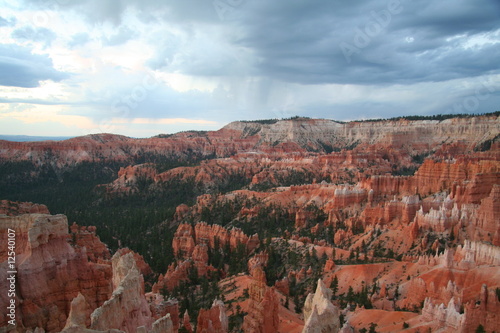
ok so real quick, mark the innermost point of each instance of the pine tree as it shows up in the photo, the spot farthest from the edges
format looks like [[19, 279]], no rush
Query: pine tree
[[334, 286], [480, 329]]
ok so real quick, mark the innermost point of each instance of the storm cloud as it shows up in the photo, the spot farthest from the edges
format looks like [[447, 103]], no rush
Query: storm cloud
[[224, 60]]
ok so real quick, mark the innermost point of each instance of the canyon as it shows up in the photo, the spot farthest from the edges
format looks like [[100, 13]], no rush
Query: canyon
[[298, 225]]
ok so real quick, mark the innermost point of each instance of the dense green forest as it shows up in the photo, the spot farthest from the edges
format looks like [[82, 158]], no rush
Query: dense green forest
[[138, 221]]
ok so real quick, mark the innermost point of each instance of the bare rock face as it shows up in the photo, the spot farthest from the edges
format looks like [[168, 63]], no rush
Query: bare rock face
[[180, 212], [444, 317], [477, 253], [142, 265], [183, 242], [214, 235], [163, 325], [79, 314], [186, 322], [127, 308], [486, 311], [258, 260], [489, 214], [200, 258], [129, 178], [85, 237], [160, 308], [320, 314], [213, 320], [50, 272], [263, 307]]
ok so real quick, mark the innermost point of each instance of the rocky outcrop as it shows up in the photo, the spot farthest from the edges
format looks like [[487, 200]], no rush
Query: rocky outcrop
[[200, 259], [443, 317], [468, 179], [183, 242], [476, 253], [485, 311], [142, 265], [320, 315], [50, 272], [58, 286], [397, 133], [174, 275], [215, 234], [465, 257], [186, 238], [180, 212], [434, 234], [130, 178], [13, 208], [86, 237], [186, 322], [160, 308], [163, 325], [127, 308], [192, 245], [213, 320], [79, 314], [258, 260], [263, 307], [488, 213]]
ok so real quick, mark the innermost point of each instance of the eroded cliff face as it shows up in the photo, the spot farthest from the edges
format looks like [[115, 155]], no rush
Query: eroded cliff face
[[296, 135], [263, 307], [316, 133], [50, 272]]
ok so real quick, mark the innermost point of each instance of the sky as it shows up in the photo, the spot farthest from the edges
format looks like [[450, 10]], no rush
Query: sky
[[141, 68]]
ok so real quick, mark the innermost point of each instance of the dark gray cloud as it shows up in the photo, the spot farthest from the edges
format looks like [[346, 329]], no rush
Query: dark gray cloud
[[20, 68], [367, 42], [28, 33], [316, 41]]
